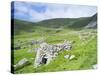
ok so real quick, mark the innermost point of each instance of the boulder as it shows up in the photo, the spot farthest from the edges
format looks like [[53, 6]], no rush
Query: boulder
[[33, 42], [70, 57], [21, 63], [94, 66], [17, 47], [67, 56]]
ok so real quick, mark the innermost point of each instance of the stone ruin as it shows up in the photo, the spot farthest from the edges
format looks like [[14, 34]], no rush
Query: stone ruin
[[34, 42], [47, 52]]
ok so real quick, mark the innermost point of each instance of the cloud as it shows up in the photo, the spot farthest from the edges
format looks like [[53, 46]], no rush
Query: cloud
[[40, 11]]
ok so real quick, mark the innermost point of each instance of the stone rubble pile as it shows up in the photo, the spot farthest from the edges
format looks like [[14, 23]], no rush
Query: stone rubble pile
[[47, 52]]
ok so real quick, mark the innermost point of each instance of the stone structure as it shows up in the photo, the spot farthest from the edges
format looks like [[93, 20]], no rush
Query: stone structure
[[46, 52]]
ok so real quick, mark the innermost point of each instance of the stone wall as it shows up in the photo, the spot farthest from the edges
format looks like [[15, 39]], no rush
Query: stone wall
[[47, 52]]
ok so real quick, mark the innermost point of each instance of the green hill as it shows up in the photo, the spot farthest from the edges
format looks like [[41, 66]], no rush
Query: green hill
[[22, 26], [72, 23], [65, 23], [55, 31]]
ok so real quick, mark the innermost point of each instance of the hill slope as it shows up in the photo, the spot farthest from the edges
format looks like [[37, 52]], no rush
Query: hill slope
[[93, 22], [73, 23], [55, 31]]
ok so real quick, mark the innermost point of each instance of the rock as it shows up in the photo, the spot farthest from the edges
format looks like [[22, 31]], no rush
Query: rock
[[67, 45], [70, 57], [67, 56], [17, 47], [94, 66], [21, 63], [43, 45], [55, 54], [85, 36], [14, 66], [29, 51], [33, 42]]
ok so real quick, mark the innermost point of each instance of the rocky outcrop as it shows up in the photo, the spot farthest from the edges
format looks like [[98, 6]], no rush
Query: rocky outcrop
[[92, 25], [93, 22]]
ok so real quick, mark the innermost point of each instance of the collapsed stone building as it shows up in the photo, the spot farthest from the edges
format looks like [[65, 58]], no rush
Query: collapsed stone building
[[46, 52]]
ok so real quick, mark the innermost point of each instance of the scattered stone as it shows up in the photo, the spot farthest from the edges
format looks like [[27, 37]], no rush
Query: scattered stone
[[14, 66], [70, 57], [17, 47], [21, 63], [30, 51], [85, 35], [67, 56], [95, 66], [55, 54], [34, 42]]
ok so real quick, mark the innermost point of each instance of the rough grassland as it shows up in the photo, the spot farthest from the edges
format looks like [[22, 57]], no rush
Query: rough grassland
[[85, 49]]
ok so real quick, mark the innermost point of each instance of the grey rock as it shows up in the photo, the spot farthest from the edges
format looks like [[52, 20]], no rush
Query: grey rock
[[34, 42], [95, 66], [67, 56], [21, 63], [70, 57], [92, 24]]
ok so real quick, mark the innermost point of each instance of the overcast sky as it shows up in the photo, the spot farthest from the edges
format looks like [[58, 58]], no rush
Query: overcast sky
[[35, 12]]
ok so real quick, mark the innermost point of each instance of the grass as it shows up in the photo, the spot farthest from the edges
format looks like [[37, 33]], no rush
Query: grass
[[85, 51]]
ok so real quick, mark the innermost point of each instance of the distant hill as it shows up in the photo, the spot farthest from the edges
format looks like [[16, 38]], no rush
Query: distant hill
[[73, 23], [93, 22], [65, 22], [22, 26]]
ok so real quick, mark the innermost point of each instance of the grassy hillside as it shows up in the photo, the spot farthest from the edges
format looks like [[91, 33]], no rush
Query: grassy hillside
[[53, 32], [84, 50], [66, 23], [72, 23], [23, 26]]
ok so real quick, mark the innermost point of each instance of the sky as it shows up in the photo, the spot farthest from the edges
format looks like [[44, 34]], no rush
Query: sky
[[35, 12]]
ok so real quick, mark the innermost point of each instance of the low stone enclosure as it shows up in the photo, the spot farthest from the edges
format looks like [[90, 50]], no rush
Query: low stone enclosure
[[46, 52]]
